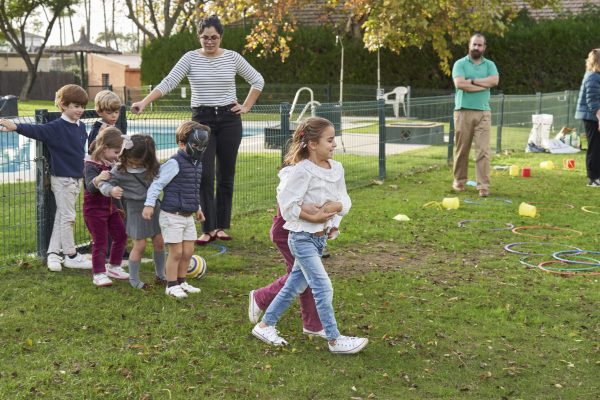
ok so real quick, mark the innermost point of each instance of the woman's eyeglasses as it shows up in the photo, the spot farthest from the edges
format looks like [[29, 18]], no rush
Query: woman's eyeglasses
[[213, 38]]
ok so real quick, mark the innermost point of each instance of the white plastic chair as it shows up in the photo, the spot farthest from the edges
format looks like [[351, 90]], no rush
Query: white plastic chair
[[399, 95]]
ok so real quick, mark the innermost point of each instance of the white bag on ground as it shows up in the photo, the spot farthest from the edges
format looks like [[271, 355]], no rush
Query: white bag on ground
[[539, 136], [556, 146]]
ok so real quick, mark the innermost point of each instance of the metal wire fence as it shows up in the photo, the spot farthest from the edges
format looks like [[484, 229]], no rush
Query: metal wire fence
[[371, 144]]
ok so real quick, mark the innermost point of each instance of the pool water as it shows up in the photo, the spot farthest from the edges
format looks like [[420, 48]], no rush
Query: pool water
[[164, 133]]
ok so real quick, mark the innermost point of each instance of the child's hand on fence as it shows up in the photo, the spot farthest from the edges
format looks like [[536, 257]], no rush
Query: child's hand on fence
[[7, 125], [148, 212], [200, 216], [116, 192], [138, 107]]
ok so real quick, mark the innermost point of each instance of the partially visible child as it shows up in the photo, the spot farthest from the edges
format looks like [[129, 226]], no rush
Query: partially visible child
[[316, 179], [108, 108], [103, 215], [260, 299], [130, 180], [65, 138], [179, 179]]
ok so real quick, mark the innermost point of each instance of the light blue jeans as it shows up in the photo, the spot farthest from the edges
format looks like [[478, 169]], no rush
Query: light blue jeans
[[308, 270]]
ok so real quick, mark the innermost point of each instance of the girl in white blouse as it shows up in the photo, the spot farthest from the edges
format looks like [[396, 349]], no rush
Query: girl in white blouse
[[316, 181]]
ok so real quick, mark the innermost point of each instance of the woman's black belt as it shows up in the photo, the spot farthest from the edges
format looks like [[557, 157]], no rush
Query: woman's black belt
[[214, 108]]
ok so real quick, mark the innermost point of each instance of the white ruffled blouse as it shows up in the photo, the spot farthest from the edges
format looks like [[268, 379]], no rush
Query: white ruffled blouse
[[308, 183]]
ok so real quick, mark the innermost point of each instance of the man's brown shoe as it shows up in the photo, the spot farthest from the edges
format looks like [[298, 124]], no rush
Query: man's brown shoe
[[458, 187]]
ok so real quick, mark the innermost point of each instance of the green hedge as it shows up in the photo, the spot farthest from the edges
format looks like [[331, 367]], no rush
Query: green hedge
[[543, 56]]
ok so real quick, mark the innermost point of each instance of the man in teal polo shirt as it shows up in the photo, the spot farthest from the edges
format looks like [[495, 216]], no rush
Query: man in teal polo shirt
[[473, 77]]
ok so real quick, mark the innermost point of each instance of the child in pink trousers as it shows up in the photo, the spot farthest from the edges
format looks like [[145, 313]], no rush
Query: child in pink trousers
[[103, 215], [260, 299]]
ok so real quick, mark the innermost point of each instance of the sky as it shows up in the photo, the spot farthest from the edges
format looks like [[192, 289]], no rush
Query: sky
[[97, 22]]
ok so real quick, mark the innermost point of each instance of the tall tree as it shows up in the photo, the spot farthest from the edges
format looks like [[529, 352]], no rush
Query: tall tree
[[162, 18], [113, 24], [15, 16], [394, 24], [106, 36]]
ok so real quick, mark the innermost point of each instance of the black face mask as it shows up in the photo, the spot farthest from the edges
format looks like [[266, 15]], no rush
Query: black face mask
[[197, 143]]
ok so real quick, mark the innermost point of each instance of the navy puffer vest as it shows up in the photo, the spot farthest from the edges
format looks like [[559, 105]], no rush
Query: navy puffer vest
[[182, 194]]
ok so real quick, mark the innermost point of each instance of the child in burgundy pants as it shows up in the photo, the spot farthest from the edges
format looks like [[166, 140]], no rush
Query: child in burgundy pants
[[261, 298]]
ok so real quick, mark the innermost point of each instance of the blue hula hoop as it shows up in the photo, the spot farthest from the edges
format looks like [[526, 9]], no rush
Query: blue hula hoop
[[557, 256], [222, 249], [509, 248]]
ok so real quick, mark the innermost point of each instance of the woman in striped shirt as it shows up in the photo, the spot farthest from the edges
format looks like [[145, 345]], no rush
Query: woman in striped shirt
[[211, 72]]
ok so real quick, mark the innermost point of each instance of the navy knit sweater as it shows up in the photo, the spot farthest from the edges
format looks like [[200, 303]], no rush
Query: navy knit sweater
[[66, 143]]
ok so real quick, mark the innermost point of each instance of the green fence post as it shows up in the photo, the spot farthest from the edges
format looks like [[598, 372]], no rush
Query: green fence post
[[499, 126], [450, 156], [382, 137], [538, 101], [122, 121], [284, 123], [45, 205], [408, 96], [568, 98]]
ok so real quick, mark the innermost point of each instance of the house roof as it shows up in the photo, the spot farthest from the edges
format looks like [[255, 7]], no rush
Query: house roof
[[82, 45], [132, 61], [566, 6], [309, 14], [313, 14]]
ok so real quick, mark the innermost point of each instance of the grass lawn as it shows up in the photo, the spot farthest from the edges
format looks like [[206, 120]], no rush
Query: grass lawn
[[27, 108], [449, 313]]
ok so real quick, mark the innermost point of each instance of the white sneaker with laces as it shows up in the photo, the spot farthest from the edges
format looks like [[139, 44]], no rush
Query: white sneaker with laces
[[116, 272], [320, 333], [254, 312], [175, 291], [77, 262], [189, 288], [594, 183], [268, 335], [101, 280], [54, 262], [348, 345]]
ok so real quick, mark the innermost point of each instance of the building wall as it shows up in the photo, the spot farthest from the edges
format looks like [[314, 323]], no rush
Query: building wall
[[120, 75], [14, 62]]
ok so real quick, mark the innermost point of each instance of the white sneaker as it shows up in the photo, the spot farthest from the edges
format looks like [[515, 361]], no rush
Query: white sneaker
[[175, 291], [77, 262], [254, 312], [101, 280], [594, 183], [54, 262], [189, 288], [320, 333], [348, 345], [268, 335], [116, 272]]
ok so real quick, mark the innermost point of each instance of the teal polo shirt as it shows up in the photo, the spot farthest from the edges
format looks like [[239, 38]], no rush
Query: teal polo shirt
[[469, 70]]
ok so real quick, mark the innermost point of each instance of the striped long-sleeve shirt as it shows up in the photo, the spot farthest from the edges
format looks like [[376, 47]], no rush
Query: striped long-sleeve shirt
[[212, 79]]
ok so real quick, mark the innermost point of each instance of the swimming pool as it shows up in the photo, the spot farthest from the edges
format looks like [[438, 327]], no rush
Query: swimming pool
[[163, 132]]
